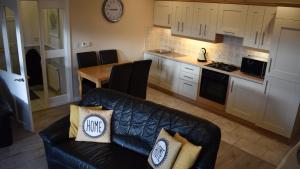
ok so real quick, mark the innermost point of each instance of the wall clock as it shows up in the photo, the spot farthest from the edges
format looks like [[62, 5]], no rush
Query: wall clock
[[113, 10]]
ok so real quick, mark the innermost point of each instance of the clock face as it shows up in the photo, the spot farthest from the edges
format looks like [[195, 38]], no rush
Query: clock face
[[113, 10]]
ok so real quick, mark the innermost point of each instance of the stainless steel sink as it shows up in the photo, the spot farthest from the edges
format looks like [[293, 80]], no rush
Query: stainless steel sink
[[161, 51]]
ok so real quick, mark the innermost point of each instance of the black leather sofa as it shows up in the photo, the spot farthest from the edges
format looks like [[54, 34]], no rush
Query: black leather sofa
[[135, 125]]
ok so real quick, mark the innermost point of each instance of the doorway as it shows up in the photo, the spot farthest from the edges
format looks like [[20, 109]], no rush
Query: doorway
[[35, 55], [46, 46]]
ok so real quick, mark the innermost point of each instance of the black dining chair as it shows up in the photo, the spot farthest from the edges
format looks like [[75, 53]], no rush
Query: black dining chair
[[108, 56], [139, 78], [120, 77], [87, 59]]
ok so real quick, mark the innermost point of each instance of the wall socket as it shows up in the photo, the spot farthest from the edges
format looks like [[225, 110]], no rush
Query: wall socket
[[84, 44]]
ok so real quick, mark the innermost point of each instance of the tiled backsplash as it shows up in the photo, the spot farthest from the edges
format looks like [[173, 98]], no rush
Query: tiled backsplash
[[229, 51]]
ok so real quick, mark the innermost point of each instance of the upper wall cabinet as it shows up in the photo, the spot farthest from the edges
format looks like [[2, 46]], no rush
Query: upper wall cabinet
[[285, 59], [182, 18], [260, 21], [232, 19], [163, 13], [205, 19]]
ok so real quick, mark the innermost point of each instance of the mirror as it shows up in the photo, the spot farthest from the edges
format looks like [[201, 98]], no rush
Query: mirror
[[12, 40], [53, 29]]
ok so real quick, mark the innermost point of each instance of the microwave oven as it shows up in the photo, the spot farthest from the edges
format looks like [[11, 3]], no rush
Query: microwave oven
[[254, 66]]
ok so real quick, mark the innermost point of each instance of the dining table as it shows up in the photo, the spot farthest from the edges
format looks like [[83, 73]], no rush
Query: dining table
[[95, 74]]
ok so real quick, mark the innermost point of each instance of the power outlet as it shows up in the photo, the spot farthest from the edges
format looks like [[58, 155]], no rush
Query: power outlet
[[84, 44]]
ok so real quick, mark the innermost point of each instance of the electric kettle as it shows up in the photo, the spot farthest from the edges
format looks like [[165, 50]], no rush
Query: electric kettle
[[202, 55]]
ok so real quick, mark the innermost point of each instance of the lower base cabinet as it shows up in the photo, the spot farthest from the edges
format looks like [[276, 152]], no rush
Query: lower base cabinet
[[188, 89], [245, 99], [281, 108]]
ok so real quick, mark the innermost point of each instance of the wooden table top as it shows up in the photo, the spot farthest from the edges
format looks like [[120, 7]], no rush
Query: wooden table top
[[96, 73]]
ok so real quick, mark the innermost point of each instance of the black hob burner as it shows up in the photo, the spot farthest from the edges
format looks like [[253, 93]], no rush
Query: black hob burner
[[223, 66]]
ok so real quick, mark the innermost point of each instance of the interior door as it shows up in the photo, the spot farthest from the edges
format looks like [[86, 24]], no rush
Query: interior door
[[55, 51], [14, 67]]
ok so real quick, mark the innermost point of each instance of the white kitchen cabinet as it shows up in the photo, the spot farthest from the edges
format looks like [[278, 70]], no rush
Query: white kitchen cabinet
[[163, 72], [154, 74], [189, 80], [284, 57], [259, 27], [245, 99], [232, 19], [163, 13], [188, 89], [205, 18], [267, 29], [182, 18], [169, 74], [282, 103]]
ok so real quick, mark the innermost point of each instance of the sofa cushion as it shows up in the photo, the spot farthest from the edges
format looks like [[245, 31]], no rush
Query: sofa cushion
[[94, 125], [74, 119], [98, 155], [164, 152]]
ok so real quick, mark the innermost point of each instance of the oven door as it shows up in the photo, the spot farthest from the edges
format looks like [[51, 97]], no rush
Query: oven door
[[214, 86]]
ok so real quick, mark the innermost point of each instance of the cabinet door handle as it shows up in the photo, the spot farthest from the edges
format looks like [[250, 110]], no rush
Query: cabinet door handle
[[263, 39], [182, 26], [200, 30], [267, 83], [189, 68], [227, 32], [169, 19], [205, 30], [270, 65], [256, 37], [178, 25], [158, 64], [188, 77], [232, 84], [188, 84]]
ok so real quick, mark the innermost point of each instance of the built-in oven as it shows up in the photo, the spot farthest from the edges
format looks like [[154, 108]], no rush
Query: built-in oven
[[214, 86]]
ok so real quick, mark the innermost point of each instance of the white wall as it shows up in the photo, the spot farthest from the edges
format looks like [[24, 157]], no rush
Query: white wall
[[127, 36]]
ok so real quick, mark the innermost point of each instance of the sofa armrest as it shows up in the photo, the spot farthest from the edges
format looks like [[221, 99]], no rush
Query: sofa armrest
[[56, 132]]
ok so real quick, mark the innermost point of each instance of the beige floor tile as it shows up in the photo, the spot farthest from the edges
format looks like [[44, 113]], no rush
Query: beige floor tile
[[233, 133]]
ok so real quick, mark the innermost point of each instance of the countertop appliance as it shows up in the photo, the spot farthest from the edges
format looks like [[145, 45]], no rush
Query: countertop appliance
[[222, 66], [214, 86], [202, 55], [254, 66]]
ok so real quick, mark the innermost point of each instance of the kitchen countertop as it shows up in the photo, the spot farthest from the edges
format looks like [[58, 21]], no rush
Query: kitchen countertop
[[193, 61]]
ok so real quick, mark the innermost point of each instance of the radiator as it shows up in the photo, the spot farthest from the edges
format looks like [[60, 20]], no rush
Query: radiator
[[53, 77]]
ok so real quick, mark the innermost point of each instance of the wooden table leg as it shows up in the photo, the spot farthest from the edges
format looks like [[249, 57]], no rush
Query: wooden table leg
[[80, 85]]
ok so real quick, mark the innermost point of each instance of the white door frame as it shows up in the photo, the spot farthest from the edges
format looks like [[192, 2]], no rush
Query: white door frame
[[17, 84], [63, 5]]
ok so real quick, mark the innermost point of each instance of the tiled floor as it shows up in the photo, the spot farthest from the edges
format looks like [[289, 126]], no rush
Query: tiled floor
[[233, 133]]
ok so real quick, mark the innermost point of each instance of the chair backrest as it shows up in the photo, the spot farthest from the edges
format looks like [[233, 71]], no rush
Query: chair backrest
[[139, 78], [120, 77], [87, 59], [108, 56], [34, 67]]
